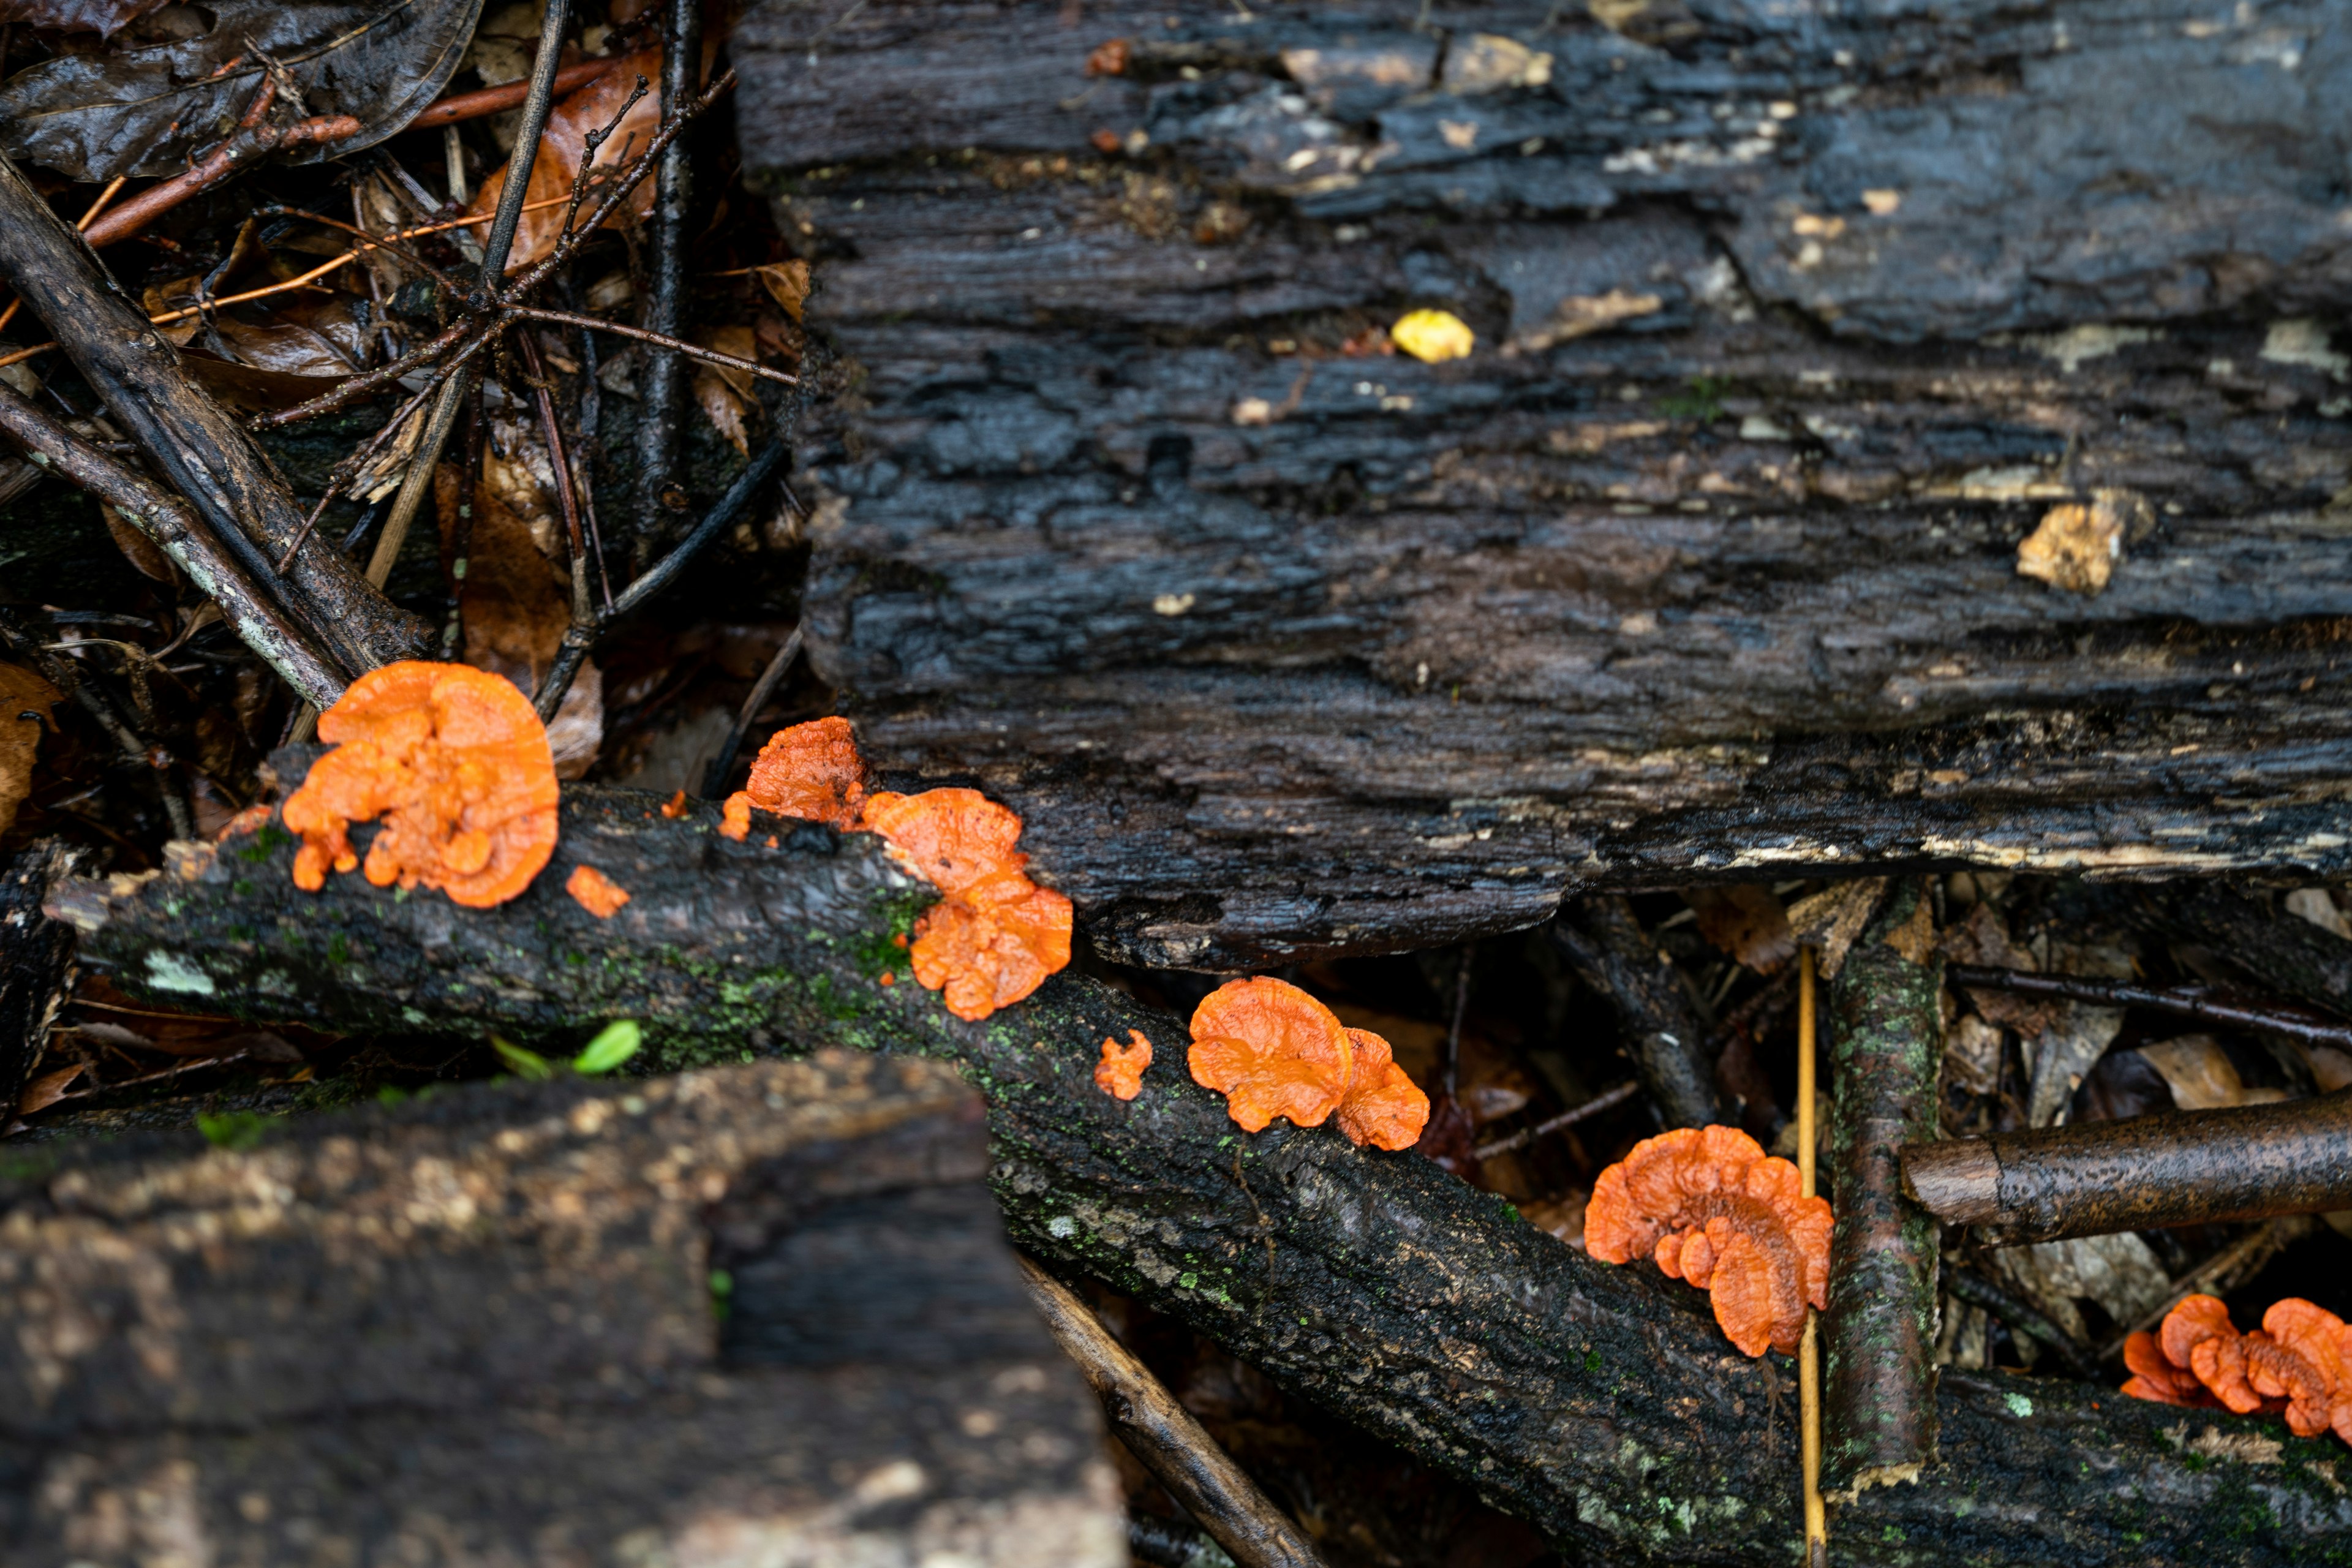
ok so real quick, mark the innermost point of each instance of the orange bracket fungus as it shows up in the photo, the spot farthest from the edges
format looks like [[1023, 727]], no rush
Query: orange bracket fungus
[[810, 771], [2294, 1364], [456, 763], [595, 892], [1711, 1207], [1119, 1074], [1382, 1106], [1271, 1050]]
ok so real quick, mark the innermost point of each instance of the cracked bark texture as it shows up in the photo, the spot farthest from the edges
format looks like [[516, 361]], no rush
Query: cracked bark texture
[[1599, 1404], [1878, 1334], [1791, 325]]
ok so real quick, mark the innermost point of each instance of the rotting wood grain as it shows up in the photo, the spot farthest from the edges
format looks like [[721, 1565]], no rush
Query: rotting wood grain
[[1289, 653], [1601, 1405]]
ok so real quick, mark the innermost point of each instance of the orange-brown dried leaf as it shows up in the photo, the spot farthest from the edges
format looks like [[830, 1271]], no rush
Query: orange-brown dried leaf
[[1119, 1074], [1271, 1050], [595, 892], [952, 839], [456, 764], [984, 956], [1383, 1107], [557, 161], [1709, 1205], [811, 770]]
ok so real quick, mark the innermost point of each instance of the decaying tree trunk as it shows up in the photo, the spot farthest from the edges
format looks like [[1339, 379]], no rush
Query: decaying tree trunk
[[755, 1314], [1599, 1404], [1791, 327]]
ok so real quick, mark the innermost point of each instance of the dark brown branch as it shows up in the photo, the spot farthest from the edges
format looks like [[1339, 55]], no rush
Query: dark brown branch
[[1168, 1439], [193, 443], [2280, 952], [245, 146], [2195, 1002], [1978, 1292], [359, 388], [661, 384], [1609, 951], [671, 344], [1878, 1417], [165, 518], [2195, 1167], [37, 964]]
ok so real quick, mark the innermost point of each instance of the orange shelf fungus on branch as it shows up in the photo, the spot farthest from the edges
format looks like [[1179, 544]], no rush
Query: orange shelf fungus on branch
[[1711, 1207], [952, 839], [2294, 1364], [1382, 1107], [595, 892], [1119, 1074], [810, 771], [996, 936], [456, 765], [1271, 1050]]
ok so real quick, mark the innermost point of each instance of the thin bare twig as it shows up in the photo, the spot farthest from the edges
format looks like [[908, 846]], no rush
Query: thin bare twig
[[366, 383], [714, 781], [1606, 1099], [498, 99], [2195, 1002], [676, 346]]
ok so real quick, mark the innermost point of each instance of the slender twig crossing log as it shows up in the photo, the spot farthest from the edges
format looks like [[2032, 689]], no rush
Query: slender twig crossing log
[[714, 782], [2286, 955], [192, 440], [2193, 1167], [1606, 1099], [1978, 1292], [1606, 947], [2196, 1001], [165, 518], [661, 389], [1808, 1365], [1879, 1333], [1601, 1405], [1168, 1439]]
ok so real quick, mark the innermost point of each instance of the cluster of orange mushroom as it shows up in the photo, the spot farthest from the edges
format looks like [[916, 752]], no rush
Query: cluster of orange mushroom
[[996, 936], [1711, 1207], [2295, 1364], [1272, 1050]]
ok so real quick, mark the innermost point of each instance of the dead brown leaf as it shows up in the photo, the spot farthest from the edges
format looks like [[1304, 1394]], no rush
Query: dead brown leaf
[[787, 283], [1972, 1054], [27, 702], [1830, 919], [142, 552], [47, 1090], [568, 126], [1747, 921]]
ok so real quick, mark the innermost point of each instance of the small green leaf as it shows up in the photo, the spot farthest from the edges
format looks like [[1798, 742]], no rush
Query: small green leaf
[[523, 1063], [614, 1044], [233, 1128]]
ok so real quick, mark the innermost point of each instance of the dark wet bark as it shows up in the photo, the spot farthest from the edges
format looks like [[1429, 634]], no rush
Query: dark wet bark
[[1609, 952], [1289, 652], [37, 964], [608, 1324], [2285, 953], [1878, 1334], [191, 441], [2190, 1167], [1599, 1404], [2199, 1002]]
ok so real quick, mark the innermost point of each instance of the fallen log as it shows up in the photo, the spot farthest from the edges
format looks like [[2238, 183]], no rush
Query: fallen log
[[1878, 1333], [754, 1313], [1607, 948], [1706, 562], [2094, 1178], [1601, 1404]]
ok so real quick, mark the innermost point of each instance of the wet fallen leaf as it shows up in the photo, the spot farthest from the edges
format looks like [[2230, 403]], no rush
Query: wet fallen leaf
[[1830, 920], [105, 17], [723, 393], [1983, 939], [568, 125], [2202, 1077], [1561, 1216], [47, 1090], [138, 549], [787, 283], [141, 107], [2120, 1273], [1972, 1054], [2318, 906], [26, 703], [1747, 921]]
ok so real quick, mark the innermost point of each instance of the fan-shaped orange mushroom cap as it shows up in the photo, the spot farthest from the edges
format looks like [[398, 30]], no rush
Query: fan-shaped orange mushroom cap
[[2156, 1379], [1119, 1074], [1271, 1050], [2195, 1320], [810, 771], [993, 952], [1710, 1206], [951, 837], [1383, 1107], [454, 760]]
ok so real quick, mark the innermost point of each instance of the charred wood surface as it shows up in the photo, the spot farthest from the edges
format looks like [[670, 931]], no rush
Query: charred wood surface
[[2093, 1178], [1791, 329], [37, 963], [1878, 1334], [763, 1310], [1599, 1404]]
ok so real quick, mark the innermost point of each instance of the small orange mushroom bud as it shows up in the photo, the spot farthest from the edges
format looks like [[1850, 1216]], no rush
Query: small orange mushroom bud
[[674, 806], [1383, 1107], [456, 763], [1711, 1207], [1119, 1074], [735, 817], [595, 892], [1271, 1050], [810, 771]]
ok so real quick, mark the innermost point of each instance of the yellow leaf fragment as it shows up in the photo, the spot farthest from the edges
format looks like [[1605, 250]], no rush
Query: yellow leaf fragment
[[1433, 336]]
